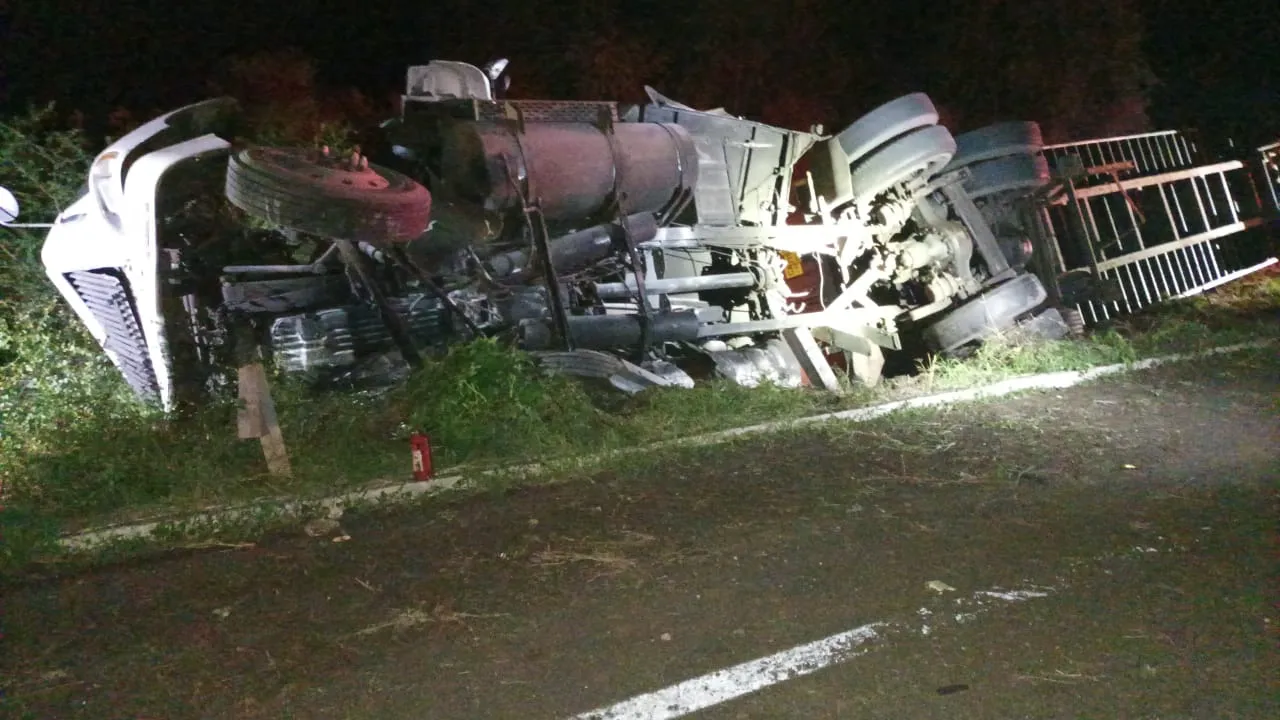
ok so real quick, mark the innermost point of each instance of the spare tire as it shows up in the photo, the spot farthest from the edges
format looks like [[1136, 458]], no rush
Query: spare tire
[[993, 310], [307, 191]]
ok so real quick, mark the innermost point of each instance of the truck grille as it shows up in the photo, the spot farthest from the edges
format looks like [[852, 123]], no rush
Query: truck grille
[[106, 293]]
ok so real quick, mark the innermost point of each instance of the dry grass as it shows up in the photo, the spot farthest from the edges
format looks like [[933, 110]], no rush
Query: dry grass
[[605, 556], [1059, 677], [411, 618]]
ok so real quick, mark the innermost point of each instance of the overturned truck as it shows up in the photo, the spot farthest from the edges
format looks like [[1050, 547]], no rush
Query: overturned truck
[[633, 242]]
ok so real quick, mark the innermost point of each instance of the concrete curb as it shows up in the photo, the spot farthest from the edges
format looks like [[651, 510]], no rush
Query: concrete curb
[[400, 493]]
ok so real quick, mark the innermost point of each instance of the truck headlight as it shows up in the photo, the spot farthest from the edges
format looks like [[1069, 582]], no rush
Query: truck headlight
[[104, 183]]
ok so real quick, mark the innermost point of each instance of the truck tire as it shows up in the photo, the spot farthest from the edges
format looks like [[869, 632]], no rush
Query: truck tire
[[299, 189], [921, 151], [996, 141], [992, 311], [1022, 173], [893, 119]]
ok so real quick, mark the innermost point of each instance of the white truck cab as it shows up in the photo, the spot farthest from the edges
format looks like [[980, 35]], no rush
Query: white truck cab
[[101, 252]]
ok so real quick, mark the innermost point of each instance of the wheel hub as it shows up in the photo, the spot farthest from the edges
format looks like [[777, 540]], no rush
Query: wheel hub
[[323, 167], [349, 170]]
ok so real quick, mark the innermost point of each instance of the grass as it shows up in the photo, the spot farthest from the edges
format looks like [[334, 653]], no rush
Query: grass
[[83, 460], [1244, 311], [924, 448]]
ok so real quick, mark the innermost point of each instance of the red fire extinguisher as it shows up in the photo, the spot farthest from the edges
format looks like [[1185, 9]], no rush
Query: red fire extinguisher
[[420, 446]]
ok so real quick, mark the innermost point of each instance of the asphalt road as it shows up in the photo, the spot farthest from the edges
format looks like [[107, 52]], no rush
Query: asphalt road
[[1106, 551]]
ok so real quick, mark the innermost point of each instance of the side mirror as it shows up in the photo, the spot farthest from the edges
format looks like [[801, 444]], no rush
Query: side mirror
[[495, 68], [9, 212], [8, 207]]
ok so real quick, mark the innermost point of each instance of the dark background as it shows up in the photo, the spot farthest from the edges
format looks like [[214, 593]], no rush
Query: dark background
[[1082, 68]]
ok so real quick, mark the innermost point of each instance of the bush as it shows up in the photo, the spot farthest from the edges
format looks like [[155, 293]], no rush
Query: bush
[[283, 104], [484, 401], [54, 379], [45, 168], [51, 371]]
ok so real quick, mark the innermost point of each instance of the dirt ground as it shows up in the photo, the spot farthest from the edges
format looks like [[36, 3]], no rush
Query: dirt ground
[[1142, 508]]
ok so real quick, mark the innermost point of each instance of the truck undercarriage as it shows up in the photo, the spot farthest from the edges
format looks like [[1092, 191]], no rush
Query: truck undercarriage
[[626, 242]]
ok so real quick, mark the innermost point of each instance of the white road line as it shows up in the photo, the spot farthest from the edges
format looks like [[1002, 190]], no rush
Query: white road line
[[1013, 596], [721, 686], [703, 692]]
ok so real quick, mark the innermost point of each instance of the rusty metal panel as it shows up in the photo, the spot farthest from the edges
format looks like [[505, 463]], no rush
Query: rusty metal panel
[[574, 170]]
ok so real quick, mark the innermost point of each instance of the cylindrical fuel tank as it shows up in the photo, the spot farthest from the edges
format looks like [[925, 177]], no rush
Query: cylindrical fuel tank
[[572, 169]]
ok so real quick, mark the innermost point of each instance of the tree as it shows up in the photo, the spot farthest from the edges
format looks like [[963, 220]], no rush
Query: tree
[[610, 65], [44, 165], [781, 63], [283, 103], [1077, 68], [1218, 67]]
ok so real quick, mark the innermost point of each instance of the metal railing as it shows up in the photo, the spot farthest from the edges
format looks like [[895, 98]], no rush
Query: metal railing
[[1269, 158], [1150, 153], [1150, 216]]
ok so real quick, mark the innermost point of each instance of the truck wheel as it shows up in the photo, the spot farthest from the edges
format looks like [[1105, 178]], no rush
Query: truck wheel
[[993, 310], [921, 151], [996, 141], [1013, 172], [315, 193], [891, 120]]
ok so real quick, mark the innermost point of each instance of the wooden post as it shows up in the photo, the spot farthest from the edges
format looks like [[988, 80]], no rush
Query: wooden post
[[256, 418]]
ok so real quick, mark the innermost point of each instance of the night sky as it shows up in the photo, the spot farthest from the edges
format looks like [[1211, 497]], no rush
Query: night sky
[[1216, 69]]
